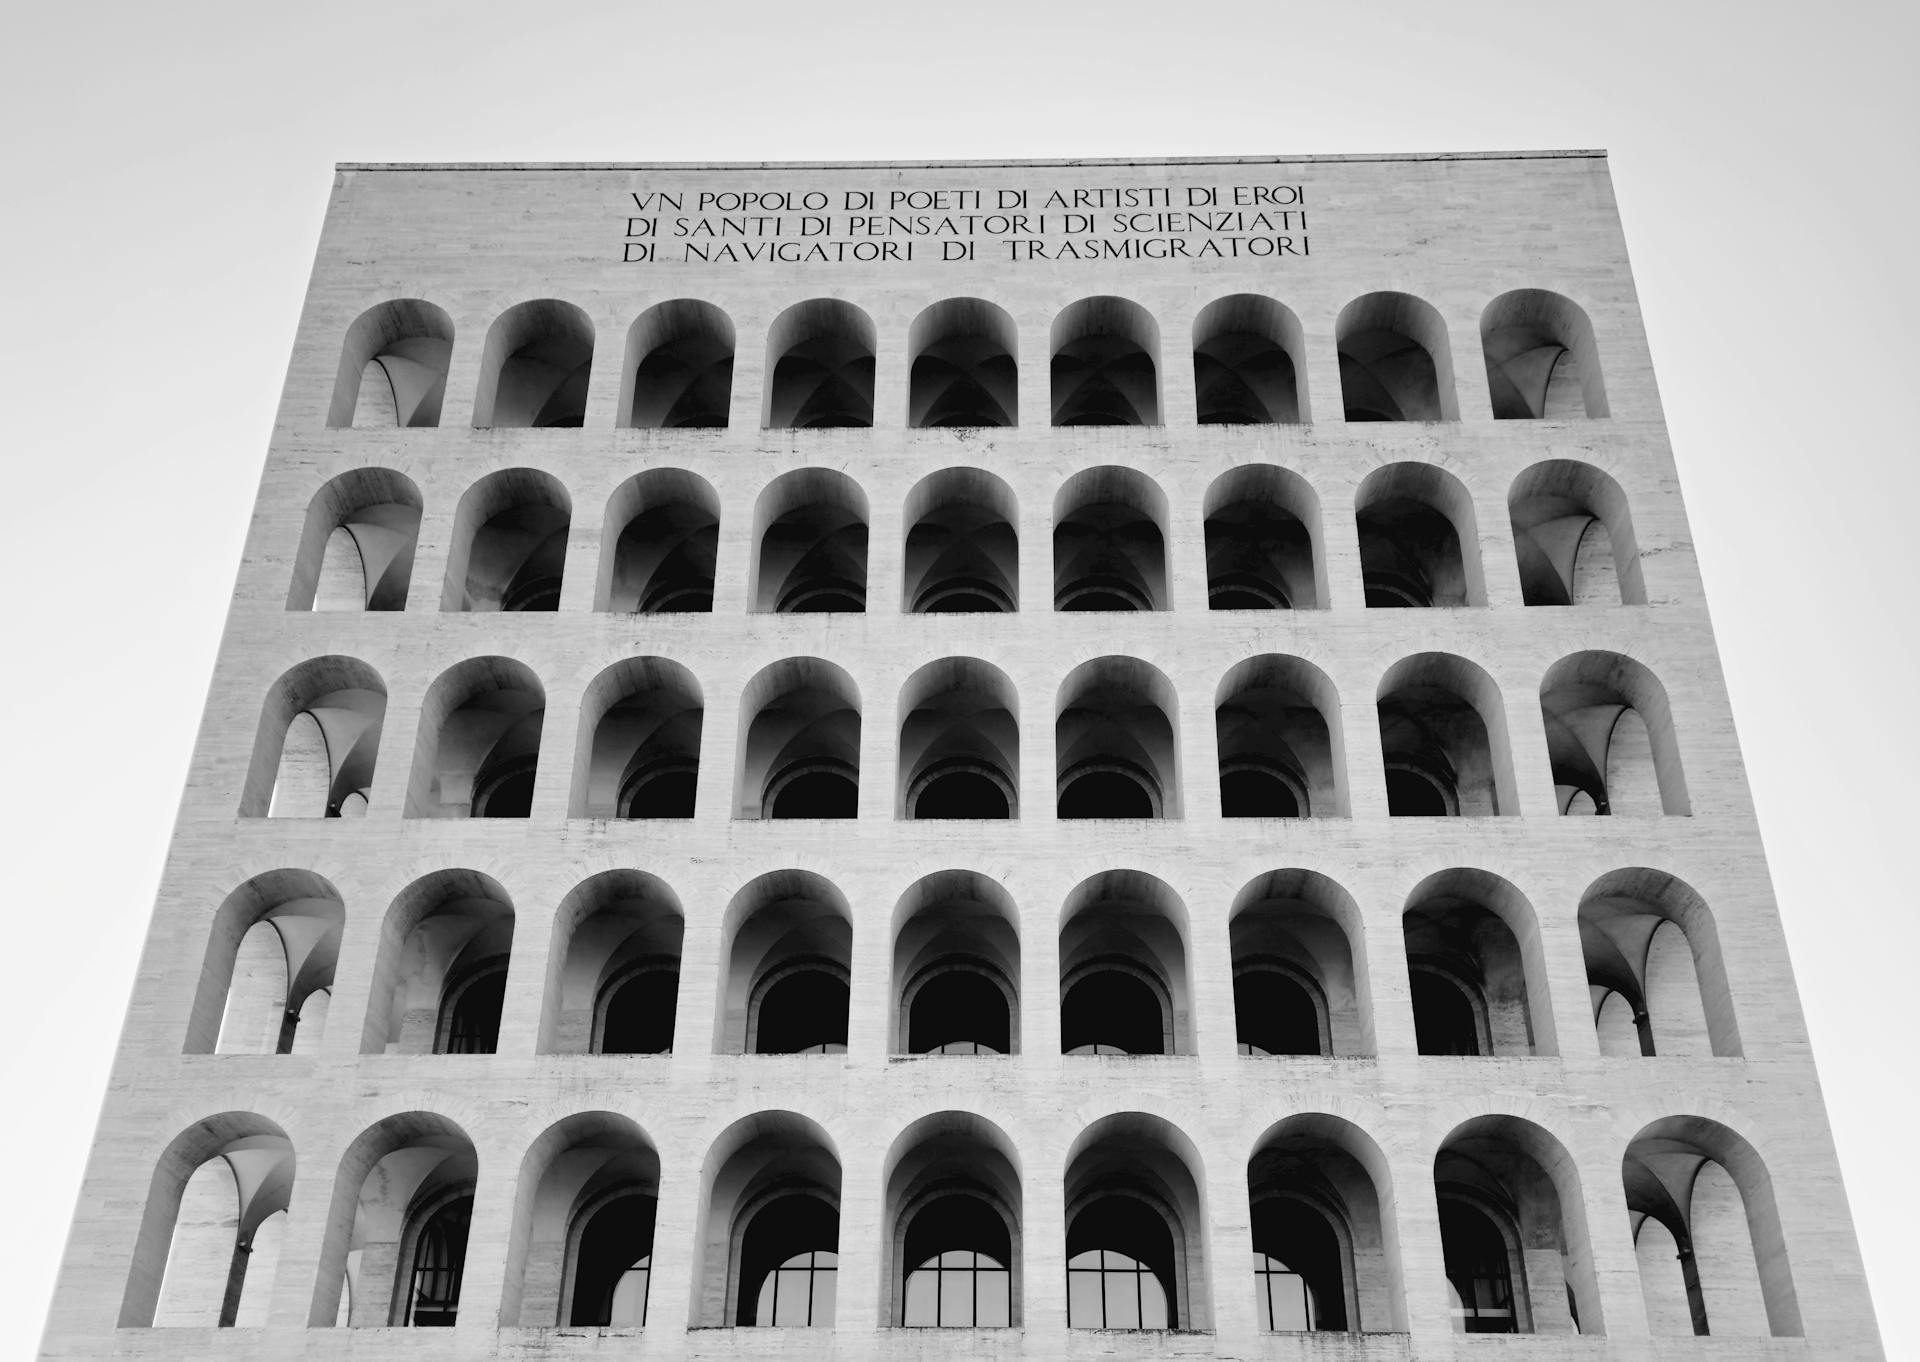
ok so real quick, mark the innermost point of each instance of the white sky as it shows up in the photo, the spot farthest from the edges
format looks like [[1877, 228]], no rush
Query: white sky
[[168, 165]]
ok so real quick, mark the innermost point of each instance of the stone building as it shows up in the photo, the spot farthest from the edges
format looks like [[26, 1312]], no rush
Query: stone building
[[991, 760]]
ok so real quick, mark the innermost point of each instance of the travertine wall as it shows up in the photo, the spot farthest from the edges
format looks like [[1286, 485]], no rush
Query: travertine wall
[[1455, 231]]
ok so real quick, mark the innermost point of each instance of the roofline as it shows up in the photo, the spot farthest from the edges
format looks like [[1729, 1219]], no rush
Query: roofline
[[1572, 154]]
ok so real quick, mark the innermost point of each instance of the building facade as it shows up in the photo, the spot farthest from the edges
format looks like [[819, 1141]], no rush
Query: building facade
[[1039, 759]]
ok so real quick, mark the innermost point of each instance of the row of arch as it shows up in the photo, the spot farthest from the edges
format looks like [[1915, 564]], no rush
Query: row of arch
[[1444, 745], [1248, 354], [1476, 965], [1321, 1204], [1414, 522]]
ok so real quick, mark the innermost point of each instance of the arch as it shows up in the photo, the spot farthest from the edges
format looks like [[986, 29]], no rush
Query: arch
[[1518, 1258], [509, 543], [1326, 1250], [1299, 929], [1472, 936], [583, 1220], [639, 745], [963, 354], [1134, 1194], [819, 367], [770, 1194], [1116, 751], [444, 934], [1443, 737], [956, 967], [799, 752], [397, 1178], [1418, 541], [393, 366], [1673, 989], [1395, 364], [613, 970], [1610, 736], [535, 367], [1124, 987], [357, 545], [959, 749], [664, 525], [318, 738], [1262, 526], [952, 1257], [1711, 1191], [1248, 355], [963, 550], [1573, 537], [213, 1187], [787, 942], [678, 373], [810, 544], [271, 949], [1282, 751], [479, 741], [1110, 542], [1106, 366], [1541, 360]]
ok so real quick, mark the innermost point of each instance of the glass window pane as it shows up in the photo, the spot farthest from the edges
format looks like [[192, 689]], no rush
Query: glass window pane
[[995, 1300], [922, 1307], [1122, 1299], [1083, 1300], [792, 1300], [629, 1309], [826, 1286], [1153, 1302]]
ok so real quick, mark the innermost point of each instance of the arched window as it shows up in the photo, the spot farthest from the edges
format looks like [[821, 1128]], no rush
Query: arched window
[[613, 967], [269, 965], [959, 742], [479, 742], [1274, 723], [1541, 361], [635, 1013], [959, 1251], [613, 1264], [319, 735], [1394, 361], [1105, 370], [1573, 537], [800, 753], [640, 726], [1418, 544], [470, 1010], [509, 548], [1278, 1012], [1245, 362], [810, 545], [393, 366], [439, 1263], [679, 369], [1477, 990], [963, 371], [963, 552], [1610, 737], [439, 979], [1123, 967], [801, 1010], [959, 1008], [1654, 967], [1119, 1267], [1443, 738], [1479, 1270], [664, 525], [1113, 1009], [534, 369], [1114, 749], [1109, 542], [788, 941], [1263, 531], [820, 367], [1300, 1267], [789, 1264], [356, 549]]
